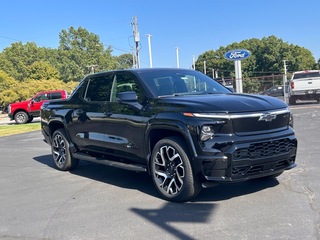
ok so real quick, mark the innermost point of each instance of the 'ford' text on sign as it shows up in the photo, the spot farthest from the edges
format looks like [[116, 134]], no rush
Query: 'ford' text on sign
[[238, 54]]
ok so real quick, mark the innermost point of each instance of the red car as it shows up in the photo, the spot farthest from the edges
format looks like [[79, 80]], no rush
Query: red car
[[24, 112]]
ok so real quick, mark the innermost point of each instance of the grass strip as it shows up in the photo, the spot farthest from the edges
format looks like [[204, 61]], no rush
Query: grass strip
[[11, 129]]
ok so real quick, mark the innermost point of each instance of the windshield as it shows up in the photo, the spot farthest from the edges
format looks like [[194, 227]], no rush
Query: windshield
[[180, 82]]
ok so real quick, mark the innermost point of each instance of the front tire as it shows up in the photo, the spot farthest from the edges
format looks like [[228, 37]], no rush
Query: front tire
[[21, 117], [61, 153], [172, 172]]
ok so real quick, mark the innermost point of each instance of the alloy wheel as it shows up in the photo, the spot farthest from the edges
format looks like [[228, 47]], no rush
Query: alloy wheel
[[59, 150], [169, 170]]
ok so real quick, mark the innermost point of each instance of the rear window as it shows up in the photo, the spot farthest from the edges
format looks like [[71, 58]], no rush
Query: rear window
[[306, 75]]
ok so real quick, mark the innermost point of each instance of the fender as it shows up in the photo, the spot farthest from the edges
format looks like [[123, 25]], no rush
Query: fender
[[173, 127]]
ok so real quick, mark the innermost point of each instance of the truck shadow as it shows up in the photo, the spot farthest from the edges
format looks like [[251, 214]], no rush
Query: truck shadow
[[143, 182]]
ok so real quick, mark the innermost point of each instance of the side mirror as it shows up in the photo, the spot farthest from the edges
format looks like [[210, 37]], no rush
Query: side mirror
[[129, 98]]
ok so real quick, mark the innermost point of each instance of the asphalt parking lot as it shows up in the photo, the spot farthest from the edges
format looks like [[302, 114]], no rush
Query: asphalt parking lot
[[99, 202]]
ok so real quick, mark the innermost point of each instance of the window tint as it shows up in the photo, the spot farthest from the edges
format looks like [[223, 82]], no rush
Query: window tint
[[124, 82], [306, 75], [55, 95], [99, 88], [180, 82], [177, 84], [41, 97]]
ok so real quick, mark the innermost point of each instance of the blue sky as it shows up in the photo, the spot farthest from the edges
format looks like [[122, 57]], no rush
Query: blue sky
[[192, 26]]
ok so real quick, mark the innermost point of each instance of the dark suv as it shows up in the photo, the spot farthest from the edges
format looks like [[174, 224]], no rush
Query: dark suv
[[182, 127]]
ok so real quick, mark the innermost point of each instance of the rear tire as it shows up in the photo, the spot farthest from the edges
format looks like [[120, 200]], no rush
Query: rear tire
[[292, 100], [172, 172], [21, 117], [30, 120], [61, 153]]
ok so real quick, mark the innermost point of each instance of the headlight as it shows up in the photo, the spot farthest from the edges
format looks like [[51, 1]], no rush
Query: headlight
[[291, 120], [207, 132]]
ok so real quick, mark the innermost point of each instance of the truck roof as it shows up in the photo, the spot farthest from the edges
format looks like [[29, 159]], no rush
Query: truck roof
[[306, 74], [306, 71]]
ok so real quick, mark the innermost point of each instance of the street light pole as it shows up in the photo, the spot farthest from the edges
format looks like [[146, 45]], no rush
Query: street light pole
[[177, 53], [150, 54], [193, 62]]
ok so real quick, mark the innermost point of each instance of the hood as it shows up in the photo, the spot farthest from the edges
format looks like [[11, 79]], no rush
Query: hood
[[226, 103], [19, 103]]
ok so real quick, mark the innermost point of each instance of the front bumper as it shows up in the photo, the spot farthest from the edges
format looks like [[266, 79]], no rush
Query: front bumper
[[10, 116], [241, 161], [312, 92]]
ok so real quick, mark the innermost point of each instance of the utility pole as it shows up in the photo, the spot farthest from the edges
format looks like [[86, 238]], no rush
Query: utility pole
[[149, 45], [92, 67], [133, 59], [204, 67], [136, 36], [285, 80]]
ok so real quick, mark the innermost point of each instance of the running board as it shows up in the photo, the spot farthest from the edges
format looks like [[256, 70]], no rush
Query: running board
[[126, 166]]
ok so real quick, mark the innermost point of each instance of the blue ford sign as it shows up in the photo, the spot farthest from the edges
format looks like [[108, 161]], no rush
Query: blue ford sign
[[238, 54]]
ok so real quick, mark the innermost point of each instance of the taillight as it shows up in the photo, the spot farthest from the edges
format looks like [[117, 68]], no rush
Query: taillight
[[292, 85]]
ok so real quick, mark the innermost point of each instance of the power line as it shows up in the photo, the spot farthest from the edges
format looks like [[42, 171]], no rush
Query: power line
[[9, 38]]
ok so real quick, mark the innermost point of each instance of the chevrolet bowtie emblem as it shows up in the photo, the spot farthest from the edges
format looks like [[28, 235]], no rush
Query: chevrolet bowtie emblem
[[268, 117]]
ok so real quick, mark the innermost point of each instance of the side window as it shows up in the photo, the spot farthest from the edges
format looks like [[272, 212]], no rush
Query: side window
[[55, 95], [41, 97], [98, 88], [124, 82]]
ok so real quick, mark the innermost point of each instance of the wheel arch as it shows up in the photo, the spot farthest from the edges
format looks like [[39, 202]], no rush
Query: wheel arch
[[54, 125], [156, 132], [20, 110]]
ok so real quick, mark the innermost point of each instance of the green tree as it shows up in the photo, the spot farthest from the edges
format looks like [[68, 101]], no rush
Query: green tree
[[81, 51], [6, 81], [123, 61], [266, 59], [15, 59], [7, 84], [41, 70]]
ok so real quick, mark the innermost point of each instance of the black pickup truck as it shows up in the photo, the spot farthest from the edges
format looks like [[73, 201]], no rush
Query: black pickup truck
[[183, 128]]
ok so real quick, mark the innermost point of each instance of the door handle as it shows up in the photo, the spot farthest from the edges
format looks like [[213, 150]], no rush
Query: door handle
[[108, 114]]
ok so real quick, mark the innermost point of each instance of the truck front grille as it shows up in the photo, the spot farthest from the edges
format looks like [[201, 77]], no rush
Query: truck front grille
[[264, 149]]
